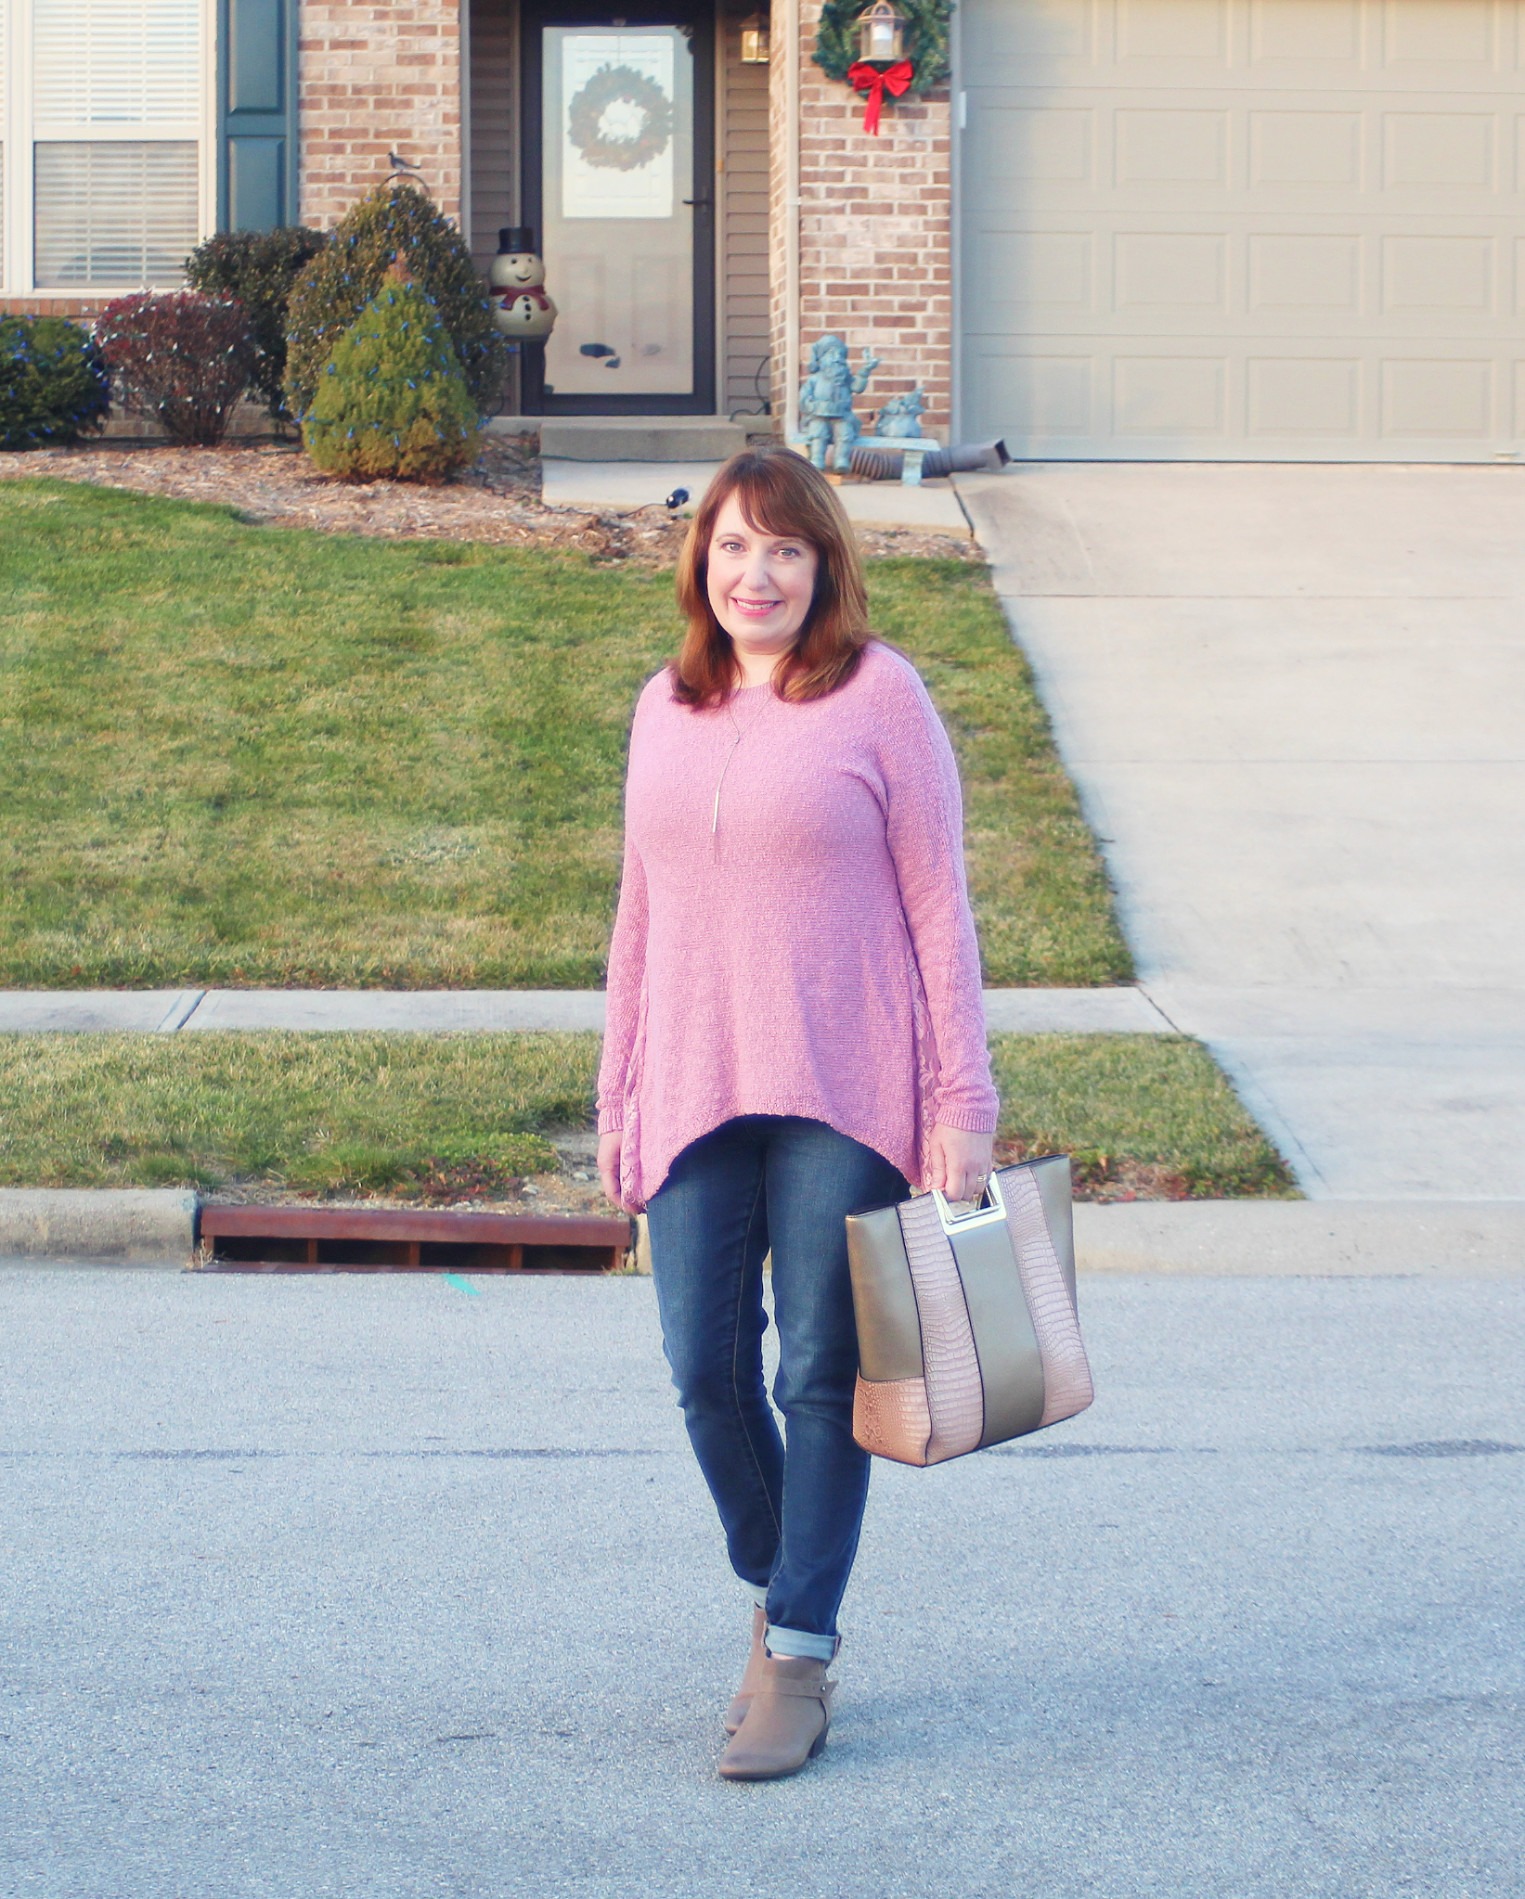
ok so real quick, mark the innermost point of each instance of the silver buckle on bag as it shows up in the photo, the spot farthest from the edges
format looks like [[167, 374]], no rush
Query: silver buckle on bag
[[991, 1214]]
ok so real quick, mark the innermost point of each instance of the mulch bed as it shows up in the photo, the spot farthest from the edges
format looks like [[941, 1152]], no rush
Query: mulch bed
[[496, 500]]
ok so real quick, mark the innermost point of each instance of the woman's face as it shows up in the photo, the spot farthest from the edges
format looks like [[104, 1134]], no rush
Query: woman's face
[[760, 585]]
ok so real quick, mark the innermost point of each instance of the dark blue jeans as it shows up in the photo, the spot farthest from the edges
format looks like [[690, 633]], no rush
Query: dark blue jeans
[[791, 1510]]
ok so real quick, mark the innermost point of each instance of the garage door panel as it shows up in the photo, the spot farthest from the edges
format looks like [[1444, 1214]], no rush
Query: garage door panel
[[1315, 274], [1008, 145], [1430, 397], [1179, 146], [1292, 399], [1319, 148], [1153, 30], [1163, 270], [1327, 31], [1264, 228], [1180, 398], [1443, 33], [1439, 152], [1033, 279], [1450, 274]]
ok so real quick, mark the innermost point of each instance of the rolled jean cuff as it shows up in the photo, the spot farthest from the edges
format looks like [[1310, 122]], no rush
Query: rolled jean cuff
[[805, 1642], [758, 1591]]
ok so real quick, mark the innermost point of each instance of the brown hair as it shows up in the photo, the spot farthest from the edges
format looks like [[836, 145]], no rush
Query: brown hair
[[779, 492]]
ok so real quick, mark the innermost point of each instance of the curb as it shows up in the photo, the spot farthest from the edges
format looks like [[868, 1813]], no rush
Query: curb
[[1429, 1239], [1321, 1239], [119, 1226]]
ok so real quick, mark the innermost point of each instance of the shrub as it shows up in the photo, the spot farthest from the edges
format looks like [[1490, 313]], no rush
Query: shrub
[[179, 359], [258, 270], [396, 219], [53, 385], [392, 400]]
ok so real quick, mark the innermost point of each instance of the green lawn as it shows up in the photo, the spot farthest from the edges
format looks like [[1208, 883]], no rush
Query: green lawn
[[1149, 1114], [242, 755]]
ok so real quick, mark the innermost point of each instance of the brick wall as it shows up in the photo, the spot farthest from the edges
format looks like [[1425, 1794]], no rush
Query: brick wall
[[374, 76], [875, 239]]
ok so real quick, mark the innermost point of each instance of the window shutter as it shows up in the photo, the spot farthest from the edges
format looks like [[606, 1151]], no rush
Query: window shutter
[[257, 96]]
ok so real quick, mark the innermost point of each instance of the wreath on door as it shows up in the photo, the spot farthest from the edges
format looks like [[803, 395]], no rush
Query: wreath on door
[[609, 149], [927, 25]]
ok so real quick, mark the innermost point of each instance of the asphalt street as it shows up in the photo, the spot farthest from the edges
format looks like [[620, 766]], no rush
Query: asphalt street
[[383, 1587]]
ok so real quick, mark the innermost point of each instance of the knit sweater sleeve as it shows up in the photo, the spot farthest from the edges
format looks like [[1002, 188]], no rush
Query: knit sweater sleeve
[[925, 828], [627, 968]]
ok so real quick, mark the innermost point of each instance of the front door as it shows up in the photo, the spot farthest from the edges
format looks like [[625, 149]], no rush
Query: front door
[[619, 187]]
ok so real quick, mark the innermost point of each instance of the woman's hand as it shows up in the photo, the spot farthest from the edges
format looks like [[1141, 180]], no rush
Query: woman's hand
[[958, 1163], [609, 1168]]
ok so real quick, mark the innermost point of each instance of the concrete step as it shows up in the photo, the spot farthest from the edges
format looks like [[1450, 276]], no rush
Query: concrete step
[[641, 438]]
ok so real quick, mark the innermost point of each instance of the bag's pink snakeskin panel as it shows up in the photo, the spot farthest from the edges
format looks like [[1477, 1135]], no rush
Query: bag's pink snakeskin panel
[[1066, 1372], [890, 1418], [955, 1397]]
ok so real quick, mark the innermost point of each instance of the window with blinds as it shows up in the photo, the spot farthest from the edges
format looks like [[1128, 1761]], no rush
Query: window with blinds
[[112, 141]]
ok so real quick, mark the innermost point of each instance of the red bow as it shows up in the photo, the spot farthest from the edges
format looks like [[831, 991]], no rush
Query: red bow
[[893, 80], [534, 292]]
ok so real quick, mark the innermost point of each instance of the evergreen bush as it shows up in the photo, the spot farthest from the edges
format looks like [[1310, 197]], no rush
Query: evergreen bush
[[53, 382], [392, 400], [179, 359], [258, 270], [396, 219]]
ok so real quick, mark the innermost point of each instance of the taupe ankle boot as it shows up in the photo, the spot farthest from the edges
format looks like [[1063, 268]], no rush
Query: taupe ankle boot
[[742, 1699], [786, 1723]]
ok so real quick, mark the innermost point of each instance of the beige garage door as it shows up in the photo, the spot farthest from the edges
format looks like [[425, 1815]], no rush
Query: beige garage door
[[1274, 230]]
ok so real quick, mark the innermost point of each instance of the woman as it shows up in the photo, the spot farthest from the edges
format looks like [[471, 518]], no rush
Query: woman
[[795, 1033]]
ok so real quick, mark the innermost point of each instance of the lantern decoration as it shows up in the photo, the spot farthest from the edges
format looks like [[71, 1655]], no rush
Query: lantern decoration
[[520, 306], [884, 50], [881, 33], [754, 40]]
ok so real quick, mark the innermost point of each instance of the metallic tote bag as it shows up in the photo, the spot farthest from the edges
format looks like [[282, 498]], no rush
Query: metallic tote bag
[[967, 1332]]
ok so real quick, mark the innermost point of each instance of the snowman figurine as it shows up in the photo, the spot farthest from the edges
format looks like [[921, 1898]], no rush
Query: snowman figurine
[[520, 307]]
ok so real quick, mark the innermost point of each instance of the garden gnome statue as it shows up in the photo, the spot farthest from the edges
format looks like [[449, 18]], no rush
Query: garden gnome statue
[[901, 415], [520, 307], [826, 401]]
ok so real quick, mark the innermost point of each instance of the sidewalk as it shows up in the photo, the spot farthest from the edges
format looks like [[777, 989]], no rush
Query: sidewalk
[[932, 506], [445, 1011], [1293, 700]]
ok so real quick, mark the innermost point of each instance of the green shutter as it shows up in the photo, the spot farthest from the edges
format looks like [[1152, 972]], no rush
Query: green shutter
[[257, 112]]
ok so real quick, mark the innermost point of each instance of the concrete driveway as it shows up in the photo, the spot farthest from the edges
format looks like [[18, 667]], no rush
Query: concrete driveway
[[1294, 701]]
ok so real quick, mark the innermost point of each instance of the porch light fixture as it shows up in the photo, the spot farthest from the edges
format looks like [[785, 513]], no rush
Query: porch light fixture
[[881, 33], [754, 40]]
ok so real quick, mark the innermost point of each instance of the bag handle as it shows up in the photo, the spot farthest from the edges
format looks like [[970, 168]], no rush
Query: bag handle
[[992, 1213]]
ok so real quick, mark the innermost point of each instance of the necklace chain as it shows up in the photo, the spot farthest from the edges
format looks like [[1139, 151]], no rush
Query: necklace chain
[[741, 731]]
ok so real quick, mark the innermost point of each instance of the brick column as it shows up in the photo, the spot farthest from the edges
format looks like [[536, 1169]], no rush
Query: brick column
[[377, 76], [875, 232]]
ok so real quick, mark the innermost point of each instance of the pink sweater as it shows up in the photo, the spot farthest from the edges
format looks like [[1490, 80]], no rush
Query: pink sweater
[[810, 951]]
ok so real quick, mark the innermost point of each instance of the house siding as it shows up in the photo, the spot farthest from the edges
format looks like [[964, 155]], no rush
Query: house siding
[[743, 183], [494, 141]]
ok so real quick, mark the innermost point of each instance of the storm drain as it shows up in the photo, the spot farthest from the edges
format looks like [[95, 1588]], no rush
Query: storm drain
[[253, 1239]]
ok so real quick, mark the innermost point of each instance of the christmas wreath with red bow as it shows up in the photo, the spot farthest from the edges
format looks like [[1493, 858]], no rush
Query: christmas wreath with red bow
[[926, 61]]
